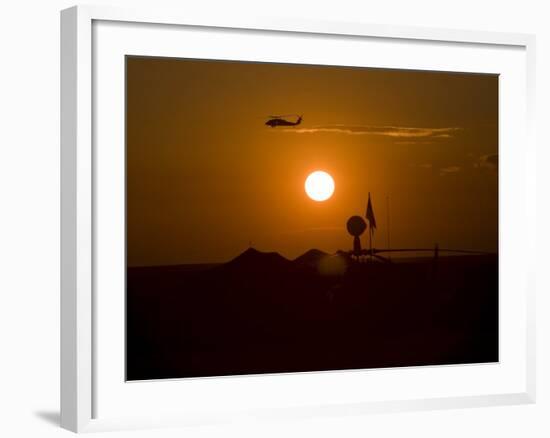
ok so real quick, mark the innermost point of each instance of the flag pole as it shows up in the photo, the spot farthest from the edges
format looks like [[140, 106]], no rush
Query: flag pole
[[370, 242], [372, 224]]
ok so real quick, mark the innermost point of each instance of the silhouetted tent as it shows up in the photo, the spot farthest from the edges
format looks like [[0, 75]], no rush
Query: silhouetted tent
[[311, 258], [254, 261]]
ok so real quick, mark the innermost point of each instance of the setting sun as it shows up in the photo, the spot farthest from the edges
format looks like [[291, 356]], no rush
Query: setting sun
[[319, 186]]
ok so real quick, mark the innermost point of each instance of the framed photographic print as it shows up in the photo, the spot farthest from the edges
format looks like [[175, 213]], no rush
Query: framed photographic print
[[276, 219]]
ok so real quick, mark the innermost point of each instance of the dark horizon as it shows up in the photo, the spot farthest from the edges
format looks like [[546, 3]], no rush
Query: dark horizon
[[261, 313], [396, 254]]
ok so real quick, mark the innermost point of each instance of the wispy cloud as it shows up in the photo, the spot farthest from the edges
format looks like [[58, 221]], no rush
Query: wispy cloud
[[415, 142], [398, 132], [490, 161], [448, 170]]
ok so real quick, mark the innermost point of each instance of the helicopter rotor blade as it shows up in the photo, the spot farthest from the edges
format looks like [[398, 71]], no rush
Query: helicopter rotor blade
[[283, 115]]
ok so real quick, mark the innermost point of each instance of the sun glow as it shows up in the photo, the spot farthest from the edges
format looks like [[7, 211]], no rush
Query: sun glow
[[319, 186]]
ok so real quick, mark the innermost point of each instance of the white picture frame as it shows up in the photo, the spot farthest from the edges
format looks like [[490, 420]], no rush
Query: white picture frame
[[83, 370]]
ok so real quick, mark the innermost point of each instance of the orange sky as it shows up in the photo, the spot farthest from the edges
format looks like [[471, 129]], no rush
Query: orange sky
[[205, 176]]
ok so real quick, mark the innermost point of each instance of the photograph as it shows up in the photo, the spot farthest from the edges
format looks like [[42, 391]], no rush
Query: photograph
[[290, 218]]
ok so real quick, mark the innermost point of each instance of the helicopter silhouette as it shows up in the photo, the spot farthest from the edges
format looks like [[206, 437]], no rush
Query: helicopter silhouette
[[275, 121]]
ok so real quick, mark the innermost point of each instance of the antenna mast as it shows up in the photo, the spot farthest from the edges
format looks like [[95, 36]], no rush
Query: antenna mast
[[388, 219]]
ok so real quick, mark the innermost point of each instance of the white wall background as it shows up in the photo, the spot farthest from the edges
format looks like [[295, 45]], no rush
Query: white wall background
[[29, 216]]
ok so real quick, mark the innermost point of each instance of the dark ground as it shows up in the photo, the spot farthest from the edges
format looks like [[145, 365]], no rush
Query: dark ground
[[261, 313]]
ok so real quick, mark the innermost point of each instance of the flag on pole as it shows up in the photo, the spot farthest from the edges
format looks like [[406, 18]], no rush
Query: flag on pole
[[370, 215]]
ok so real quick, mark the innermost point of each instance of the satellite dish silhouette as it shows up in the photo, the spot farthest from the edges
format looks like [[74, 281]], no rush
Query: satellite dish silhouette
[[356, 226]]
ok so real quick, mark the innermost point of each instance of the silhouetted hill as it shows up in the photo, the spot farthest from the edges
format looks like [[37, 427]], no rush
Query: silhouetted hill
[[311, 258]]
